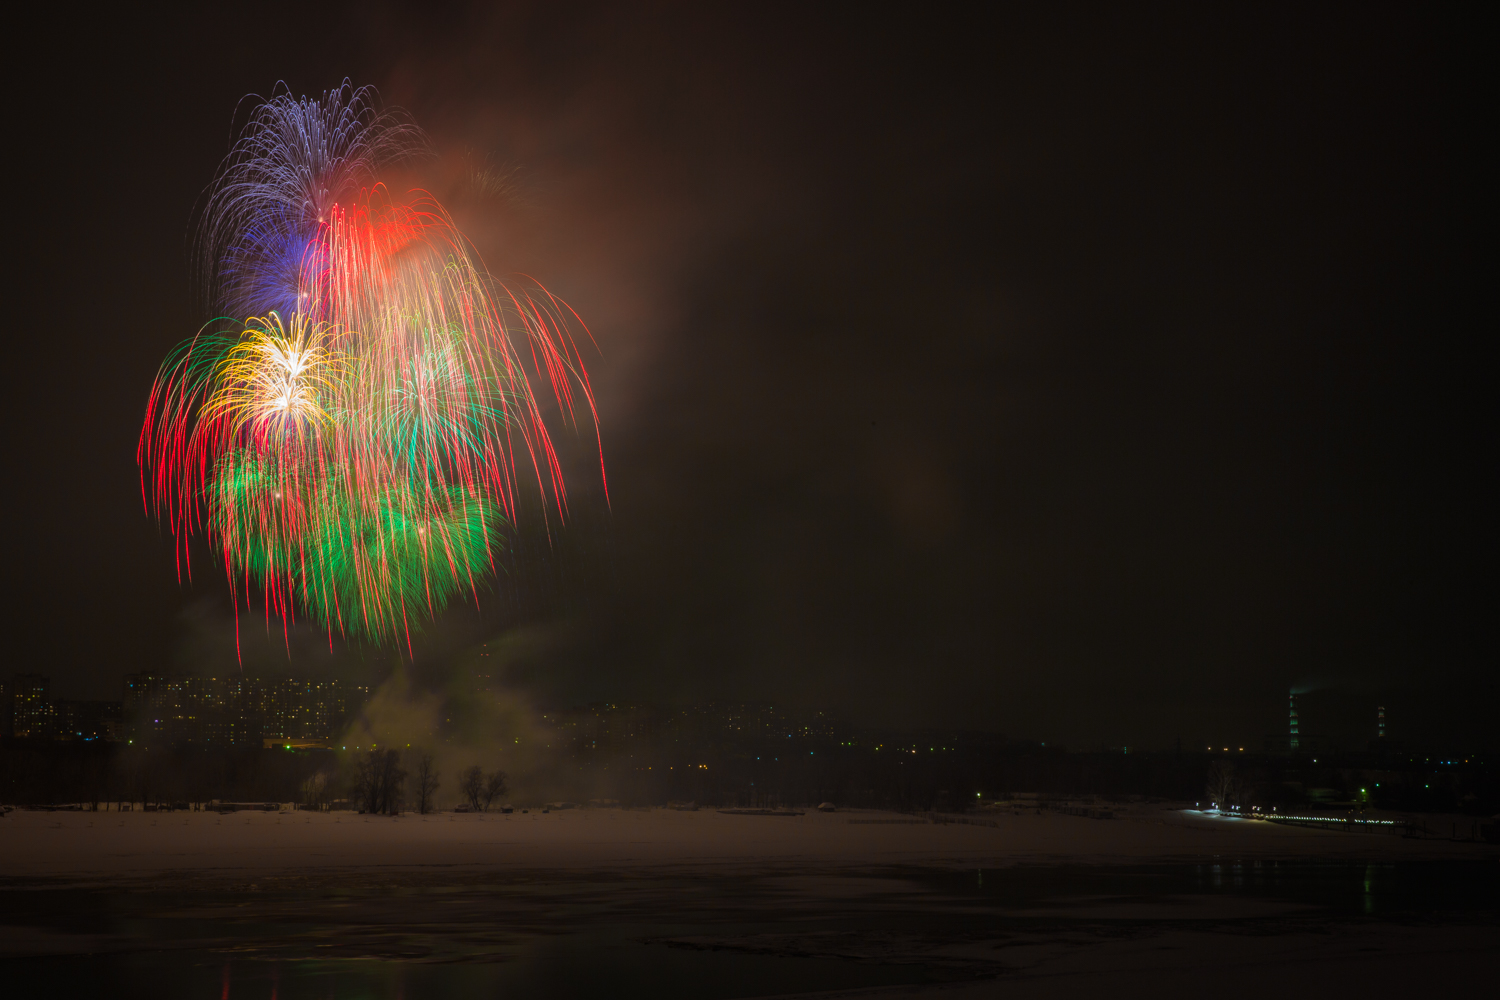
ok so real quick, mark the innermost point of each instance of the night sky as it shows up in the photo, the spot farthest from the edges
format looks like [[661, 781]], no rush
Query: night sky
[[1083, 377]]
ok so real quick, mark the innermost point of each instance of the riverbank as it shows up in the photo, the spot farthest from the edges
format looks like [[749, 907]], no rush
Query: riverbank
[[100, 844]]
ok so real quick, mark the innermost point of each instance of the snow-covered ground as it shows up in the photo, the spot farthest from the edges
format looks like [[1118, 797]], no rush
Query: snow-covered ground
[[71, 843]]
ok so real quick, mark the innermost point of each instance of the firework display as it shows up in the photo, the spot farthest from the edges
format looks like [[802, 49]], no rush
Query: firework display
[[355, 430]]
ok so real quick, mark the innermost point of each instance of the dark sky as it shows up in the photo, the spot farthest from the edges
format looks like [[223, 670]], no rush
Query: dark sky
[[1085, 377]]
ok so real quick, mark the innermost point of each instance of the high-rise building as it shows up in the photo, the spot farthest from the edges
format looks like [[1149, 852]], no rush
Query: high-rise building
[[249, 711], [1380, 721], [86, 720], [163, 708], [28, 706], [158, 709], [1292, 719]]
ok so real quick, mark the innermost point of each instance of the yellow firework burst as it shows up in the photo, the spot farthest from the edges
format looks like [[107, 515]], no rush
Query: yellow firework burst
[[278, 380]]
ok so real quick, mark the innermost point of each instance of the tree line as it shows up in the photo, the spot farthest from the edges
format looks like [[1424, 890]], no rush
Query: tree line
[[378, 784]]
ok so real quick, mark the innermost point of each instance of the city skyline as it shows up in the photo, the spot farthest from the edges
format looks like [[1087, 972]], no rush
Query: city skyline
[[1073, 414], [277, 712], [743, 500]]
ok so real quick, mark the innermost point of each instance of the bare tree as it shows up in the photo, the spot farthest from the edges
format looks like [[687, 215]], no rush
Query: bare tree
[[315, 790], [1223, 784], [98, 783], [472, 786], [378, 781], [393, 780], [362, 784], [427, 782], [494, 787], [142, 779]]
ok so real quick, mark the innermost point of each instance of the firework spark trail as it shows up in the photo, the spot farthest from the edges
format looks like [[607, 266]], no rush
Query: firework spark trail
[[351, 445]]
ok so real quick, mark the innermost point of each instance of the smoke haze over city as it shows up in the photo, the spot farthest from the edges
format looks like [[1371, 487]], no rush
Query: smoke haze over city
[[1087, 386], [747, 500]]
